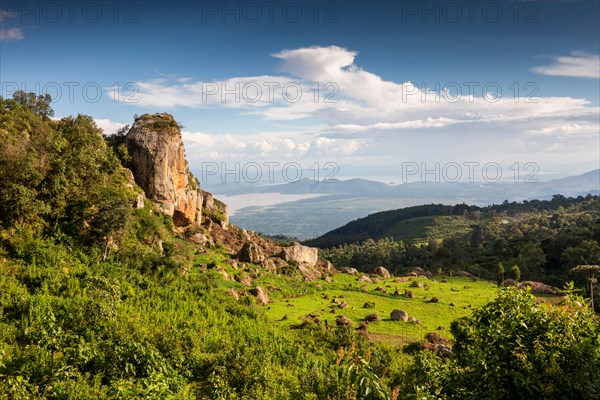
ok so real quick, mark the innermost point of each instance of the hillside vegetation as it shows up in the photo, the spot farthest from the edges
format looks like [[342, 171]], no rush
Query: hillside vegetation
[[101, 296], [545, 239]]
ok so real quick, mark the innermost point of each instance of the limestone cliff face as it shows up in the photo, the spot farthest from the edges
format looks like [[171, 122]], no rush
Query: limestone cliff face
[[161, 170]]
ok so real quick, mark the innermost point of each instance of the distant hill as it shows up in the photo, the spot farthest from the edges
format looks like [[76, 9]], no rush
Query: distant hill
[[429, 222], [345, 201]]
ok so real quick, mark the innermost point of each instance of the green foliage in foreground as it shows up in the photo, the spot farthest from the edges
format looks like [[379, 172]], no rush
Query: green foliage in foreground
[[98, 300], [514, 349], [78, 328]]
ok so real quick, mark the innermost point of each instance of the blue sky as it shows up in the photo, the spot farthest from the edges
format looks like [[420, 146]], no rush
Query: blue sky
[[374, 59]]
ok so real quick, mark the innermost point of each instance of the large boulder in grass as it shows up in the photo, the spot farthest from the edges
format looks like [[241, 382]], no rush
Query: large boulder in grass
[[301, 254], [349, 270], [261, 295], [342, 320], [372, 317], [382, 272], [399, 315]]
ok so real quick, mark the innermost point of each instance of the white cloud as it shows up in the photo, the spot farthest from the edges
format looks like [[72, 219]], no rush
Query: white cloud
[[11, 34], [373, 118], [109, 127], [579, 65]]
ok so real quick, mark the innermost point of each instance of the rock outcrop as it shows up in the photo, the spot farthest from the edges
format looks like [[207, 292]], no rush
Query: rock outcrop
[[251, 253], [161, 170], [301, 254], [214, 209]]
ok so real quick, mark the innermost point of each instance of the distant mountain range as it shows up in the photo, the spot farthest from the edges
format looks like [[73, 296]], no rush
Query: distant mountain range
[[343, 201]]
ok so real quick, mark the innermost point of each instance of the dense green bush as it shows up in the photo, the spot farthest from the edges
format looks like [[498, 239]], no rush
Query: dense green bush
[[514, 348]]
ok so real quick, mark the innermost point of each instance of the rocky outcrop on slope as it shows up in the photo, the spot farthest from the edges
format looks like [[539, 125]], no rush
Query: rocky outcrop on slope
[[159, 167], [161, 170]]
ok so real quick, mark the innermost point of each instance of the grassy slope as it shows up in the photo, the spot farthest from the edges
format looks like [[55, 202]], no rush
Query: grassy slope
[[423, 229], [295, 298]]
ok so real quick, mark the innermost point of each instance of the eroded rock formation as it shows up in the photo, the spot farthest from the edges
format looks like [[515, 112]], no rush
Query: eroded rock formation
[[161, 170]]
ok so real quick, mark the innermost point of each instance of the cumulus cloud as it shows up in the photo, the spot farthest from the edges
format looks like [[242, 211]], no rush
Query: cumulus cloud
[[361, 115], [578, 65]]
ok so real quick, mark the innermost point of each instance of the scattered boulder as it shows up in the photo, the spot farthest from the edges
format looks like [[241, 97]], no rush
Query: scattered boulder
[[372, 317], [369, 304], [269, 265], [540, 288], [434, 300], [413, 320], [416, 284], [231, 262], [246, 280], [349, 270], [328, 267], [342, 320], [435, 338], [223, 273], [251, 252], [199, 238], [139, 201], [233, 293], [261, 295], [382, 272], [364, 279], [310, 273], [399, 315], [409, 294], [343, 304], [301, 254]]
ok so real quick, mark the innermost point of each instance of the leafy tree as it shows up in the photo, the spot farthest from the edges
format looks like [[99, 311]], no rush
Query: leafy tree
[[590, 274], [500, 273], [514, 349], [38, 104], [587, 252], [515, 273]]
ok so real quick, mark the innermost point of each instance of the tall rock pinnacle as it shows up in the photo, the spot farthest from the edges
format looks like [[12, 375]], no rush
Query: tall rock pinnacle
[[161, 170]]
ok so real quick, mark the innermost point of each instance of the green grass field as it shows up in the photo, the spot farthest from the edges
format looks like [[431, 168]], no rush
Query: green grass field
[[293, 298], [466, 296]]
